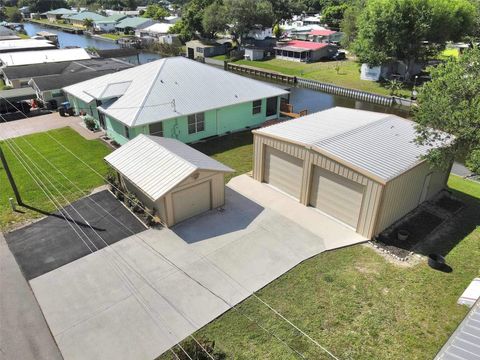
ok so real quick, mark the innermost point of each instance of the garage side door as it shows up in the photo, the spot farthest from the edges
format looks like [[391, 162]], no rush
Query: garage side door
[[191, 201], [336, 196], [283, 171]]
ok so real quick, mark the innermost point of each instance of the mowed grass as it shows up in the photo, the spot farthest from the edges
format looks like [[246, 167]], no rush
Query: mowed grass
[[353, 301], [343, 73], [113, 36], [92, 152]]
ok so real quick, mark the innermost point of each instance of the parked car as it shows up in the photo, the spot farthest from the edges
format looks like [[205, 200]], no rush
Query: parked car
[[340, 55]]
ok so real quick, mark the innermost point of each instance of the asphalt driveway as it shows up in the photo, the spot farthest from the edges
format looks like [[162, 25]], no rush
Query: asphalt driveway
[[51, 242], [150, 291]]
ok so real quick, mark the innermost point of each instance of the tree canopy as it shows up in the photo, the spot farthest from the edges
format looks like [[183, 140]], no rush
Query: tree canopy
[[215, 19], [450, 103], [410, 30], [156, 12], [42, 6]]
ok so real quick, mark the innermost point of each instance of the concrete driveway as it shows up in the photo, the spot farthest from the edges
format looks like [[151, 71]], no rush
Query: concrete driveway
[[145, 293]]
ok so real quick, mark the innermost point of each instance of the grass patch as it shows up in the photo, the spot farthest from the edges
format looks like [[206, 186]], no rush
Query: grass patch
[[23, 36], [348, 74], [447, 53], [56, 24], [220, 57], [351, 300], [91, 152], [112, 36]]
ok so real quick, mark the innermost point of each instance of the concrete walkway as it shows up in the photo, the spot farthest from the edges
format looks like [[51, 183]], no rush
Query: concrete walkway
[[24, 333], [43, 123], [180, 279], [460, 170]]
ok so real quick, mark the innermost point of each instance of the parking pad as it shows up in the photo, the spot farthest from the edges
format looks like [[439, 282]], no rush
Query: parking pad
[[53, 242]]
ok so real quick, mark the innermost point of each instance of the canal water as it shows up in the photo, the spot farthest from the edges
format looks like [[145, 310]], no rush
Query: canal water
[[67, 39], [300, 98]]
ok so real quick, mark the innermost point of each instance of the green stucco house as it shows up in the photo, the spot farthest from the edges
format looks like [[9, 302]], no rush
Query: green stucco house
[[175, 98]]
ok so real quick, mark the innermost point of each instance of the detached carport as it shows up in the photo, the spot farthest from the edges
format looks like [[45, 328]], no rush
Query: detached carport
[[359, 167], [170, 178]]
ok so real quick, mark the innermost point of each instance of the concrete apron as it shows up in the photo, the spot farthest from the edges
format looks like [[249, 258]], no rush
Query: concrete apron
[[224, 256]]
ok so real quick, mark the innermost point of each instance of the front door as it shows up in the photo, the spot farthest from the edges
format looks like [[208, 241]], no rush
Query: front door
[[191, 53], [272, 105]]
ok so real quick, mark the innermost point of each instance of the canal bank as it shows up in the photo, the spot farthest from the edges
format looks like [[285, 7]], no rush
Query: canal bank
[[66, 39]]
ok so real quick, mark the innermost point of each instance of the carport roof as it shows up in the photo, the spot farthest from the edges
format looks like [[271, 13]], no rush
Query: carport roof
[[379, 145], [156, 164]]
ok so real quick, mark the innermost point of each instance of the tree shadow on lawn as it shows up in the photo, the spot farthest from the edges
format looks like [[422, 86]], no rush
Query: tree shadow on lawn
[[435, 227]]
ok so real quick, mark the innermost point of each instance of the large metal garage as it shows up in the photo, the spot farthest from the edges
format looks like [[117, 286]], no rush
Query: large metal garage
[[169, 177], [361, 168]]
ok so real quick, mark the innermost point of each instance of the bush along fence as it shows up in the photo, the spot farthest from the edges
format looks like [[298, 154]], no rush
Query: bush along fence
[[319, 86]]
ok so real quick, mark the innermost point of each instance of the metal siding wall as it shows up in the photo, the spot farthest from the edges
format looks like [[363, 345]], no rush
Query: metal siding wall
[[372, 195], [402, 194]]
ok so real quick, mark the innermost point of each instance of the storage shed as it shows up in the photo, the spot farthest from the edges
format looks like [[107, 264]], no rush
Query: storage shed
[[359, 167], [169, 177]]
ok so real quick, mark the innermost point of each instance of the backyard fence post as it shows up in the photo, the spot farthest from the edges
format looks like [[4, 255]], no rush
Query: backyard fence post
[[10, 178]]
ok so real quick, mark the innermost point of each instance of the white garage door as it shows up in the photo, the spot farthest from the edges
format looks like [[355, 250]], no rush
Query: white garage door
[[283, 171], [336, 196], [192, 201]]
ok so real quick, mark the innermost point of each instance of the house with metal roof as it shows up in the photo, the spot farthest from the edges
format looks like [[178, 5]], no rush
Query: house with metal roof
[[130, 24], [108, 24], [464, 344], [361, 168], [304, 51], [78, 19], [18, 58], [175, 98], [173, 180], [25, 45], [57, 14], [325, 36]]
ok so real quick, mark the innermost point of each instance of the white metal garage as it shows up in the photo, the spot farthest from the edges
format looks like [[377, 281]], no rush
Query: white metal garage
[[359, 167], [172, 179], [283, 171]]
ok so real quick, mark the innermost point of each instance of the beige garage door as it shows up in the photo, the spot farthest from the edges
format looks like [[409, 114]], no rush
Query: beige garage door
[[191, 201], [336, 196], [283, 171]]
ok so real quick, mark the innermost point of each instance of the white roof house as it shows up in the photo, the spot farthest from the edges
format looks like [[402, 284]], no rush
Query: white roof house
[[25, 44], [157, 164], [169, 88], [157, 28], [360, 167], [171, 178], [39, 57]]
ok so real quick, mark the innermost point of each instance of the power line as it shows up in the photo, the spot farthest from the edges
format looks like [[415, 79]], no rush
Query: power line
[[276, 312], [58, 206]]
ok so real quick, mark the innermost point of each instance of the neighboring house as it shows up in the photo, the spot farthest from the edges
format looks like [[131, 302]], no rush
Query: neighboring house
[[172, 19], [58, 14], [171, 179], [130, 24], [359, 167], [200, 49], [48, 88], [8, 34], [25, 11], [156, 30], [78, 19], [260, 33], [311, 20], [177, 98], [325, 36], [254, 53], [304, 51], [104, 26], [51, 78], [122, 12], [45, 56], [464, 343], [9, 46]]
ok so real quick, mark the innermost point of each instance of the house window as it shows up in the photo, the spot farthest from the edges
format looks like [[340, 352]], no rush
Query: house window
[[127, 132], [196, 123], [257, 107], [156, 129]]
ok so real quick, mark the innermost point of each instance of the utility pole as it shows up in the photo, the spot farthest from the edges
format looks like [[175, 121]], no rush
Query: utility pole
[[10, 178]]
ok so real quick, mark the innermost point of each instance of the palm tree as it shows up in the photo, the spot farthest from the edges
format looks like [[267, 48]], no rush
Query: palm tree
[[88, 23]]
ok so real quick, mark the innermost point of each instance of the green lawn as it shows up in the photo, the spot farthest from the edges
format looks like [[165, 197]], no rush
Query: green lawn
[[352, 301], [91, 152], [113, 36], [59, 24], [348, 74]]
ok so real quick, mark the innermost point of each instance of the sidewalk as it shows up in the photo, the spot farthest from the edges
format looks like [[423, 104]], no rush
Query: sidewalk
[[43, 123], [24, 334]]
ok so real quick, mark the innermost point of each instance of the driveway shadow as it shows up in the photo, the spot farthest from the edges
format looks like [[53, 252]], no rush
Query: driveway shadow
[[237, 214]]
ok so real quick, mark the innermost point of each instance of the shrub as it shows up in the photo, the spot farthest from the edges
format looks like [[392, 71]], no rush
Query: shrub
[[90, 124]]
